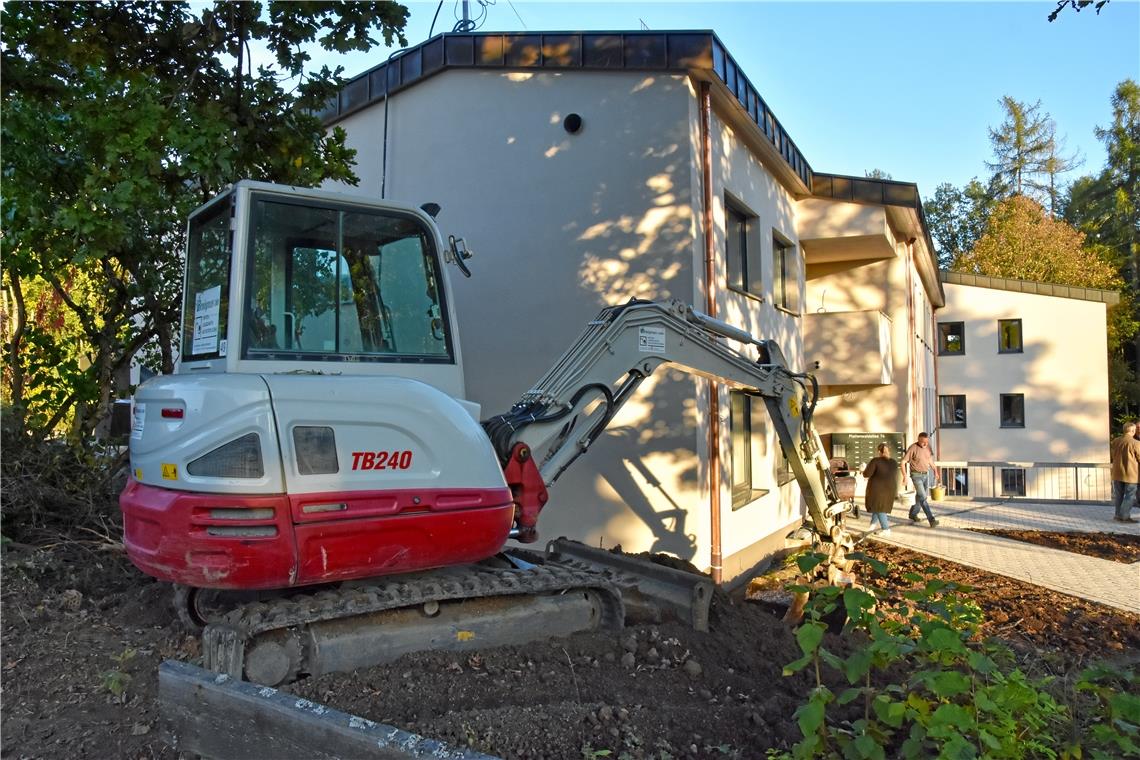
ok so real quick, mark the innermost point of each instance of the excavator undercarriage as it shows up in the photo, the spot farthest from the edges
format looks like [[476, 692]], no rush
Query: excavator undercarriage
[[511, 599]]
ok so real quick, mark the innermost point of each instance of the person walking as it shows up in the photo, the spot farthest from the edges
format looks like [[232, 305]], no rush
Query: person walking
[[919, 460], [1124, 453], [882, 474]]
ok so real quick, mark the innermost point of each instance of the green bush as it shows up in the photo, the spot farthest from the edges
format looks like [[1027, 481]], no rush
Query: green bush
[[929, 686]]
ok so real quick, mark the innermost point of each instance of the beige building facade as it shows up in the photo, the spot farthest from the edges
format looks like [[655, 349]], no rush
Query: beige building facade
[[1023, 389], [586, 169]]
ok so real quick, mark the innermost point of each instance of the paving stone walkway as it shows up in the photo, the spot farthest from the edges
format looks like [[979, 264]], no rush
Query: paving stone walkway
[[1098, 580]]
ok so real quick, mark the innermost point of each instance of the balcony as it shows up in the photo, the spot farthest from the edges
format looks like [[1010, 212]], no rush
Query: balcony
[[832, 231], [852, 347]]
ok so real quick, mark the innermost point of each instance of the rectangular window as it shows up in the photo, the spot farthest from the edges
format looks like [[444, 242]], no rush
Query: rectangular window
[[1012, 482], [742, 250], [786, 275], [1013, 410], [1009, 336], [342, 284], [952, 411], [951, 338], [746, 427], [207, 283]]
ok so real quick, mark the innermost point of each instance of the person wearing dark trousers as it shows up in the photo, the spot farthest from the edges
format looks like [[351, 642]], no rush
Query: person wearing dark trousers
[[1124, 453], [882, 474], [919, 461]]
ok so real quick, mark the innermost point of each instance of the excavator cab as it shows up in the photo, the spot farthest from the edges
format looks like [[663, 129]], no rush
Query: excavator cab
[[316, 427], [312, 278]]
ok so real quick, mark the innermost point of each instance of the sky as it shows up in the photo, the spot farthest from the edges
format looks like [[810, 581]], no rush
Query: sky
[[909, 88]]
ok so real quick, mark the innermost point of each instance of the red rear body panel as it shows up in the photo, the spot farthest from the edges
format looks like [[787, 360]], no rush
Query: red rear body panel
[[261, 542]]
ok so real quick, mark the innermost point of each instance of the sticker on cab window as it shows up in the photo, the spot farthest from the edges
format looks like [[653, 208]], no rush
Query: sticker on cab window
[[138, 420]]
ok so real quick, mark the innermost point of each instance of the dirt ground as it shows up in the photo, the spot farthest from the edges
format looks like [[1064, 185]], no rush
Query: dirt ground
[[83, 634], [1118, 547]]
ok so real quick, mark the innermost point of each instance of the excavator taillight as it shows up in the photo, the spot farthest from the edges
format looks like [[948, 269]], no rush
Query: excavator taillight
[[173, 414]]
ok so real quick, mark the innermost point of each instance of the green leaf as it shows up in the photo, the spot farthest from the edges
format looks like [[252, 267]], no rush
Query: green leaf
[[868, 748], [954, 716], [849, 695], [831, 660], [949, 683], [857, 601], [857, 665], [809, 635], [1126, 705], [889, 711], [877, 566], [798, 665], [809, 715], [988, 739], [809, 561], [945, 640]]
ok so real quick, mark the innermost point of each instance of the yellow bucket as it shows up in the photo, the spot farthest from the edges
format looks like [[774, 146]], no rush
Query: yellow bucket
[[938, 493]]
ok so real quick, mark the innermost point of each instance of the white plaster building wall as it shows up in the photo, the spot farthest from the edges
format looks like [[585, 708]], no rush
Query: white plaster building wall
[[740, 175], [1063, 373], [561, 226]]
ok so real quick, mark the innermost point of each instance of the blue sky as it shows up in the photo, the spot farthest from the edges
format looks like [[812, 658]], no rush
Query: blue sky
[[909, 87]]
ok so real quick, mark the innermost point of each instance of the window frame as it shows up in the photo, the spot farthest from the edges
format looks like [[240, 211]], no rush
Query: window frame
[[743, 494], [431, 252], [1001, 410], [782, 248], [747, 263], [942, 350], [222, 207], [1020, 337], [954, 425], [1019, 481]]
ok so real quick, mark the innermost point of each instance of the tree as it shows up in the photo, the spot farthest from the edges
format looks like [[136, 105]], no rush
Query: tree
[[877, 174], [118, 118], [1107, 209], [1028, 157], [957, 217], [1076, 5], [1021, 241]]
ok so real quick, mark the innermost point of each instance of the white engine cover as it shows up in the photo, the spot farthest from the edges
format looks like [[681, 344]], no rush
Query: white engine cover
[[390, 433]]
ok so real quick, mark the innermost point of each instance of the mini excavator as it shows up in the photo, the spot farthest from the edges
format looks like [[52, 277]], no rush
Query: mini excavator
[[313, 461]]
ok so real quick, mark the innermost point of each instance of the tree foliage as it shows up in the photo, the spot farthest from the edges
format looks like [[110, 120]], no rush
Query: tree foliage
[[118, 118], [1077, 6], [1106, 207], [1028, 156], [1022, 242], [957, 217]]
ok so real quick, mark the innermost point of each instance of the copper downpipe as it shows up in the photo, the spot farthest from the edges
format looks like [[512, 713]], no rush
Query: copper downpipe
[[715, 558]]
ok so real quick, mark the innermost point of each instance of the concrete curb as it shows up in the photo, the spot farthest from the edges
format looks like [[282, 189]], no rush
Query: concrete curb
[[215, 716]]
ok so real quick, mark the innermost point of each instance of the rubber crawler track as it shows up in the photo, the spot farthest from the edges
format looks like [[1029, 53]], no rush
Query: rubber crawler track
[[258, 618]]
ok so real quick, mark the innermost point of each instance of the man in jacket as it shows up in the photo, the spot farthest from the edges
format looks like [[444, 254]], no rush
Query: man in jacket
[[920, 461], [1125, 457]]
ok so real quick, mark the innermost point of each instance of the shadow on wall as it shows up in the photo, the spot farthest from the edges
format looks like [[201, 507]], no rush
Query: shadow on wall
[[629, 228]]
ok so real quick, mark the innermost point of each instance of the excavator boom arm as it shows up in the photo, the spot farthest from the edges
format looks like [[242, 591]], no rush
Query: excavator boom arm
[[574, 401]]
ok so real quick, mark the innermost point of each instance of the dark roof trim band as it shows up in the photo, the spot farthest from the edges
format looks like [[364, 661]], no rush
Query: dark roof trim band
[[680, 51]]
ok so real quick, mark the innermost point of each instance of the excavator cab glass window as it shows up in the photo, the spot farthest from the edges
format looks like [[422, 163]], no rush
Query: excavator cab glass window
[[207, 284], [329, 283]]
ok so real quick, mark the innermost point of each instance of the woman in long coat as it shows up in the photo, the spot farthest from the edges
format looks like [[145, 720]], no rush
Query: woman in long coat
[[882, 474]]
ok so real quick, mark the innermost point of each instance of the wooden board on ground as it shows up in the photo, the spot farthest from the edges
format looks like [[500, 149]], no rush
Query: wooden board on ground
[[215, 716]]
